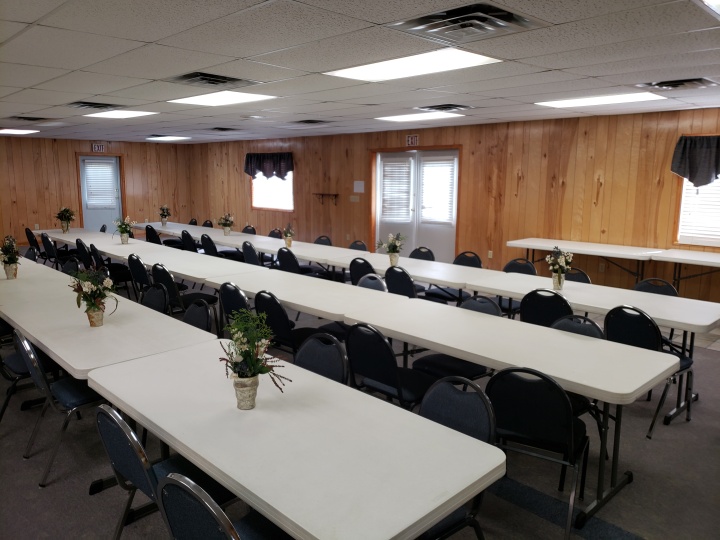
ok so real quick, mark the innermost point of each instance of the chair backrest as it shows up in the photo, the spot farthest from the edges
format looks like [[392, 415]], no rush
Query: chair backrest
[[287, 261], [209, 246], [32, 239], [249, 254], [98, 261], [151, 235], [192, 221], [359, 245], [575, 274], [275, 233], [577, 324], [323, 354], [531, 407], [323, 240], [71, 266], [359, 267], [277, 318], [138, 271], [198, 315], [84, 253], [156, 297], [543, 307], [482, 304], [371, 356], [188, 242], [190, 513], [467, 409], [32, 254], [128, 458], [232, 299], [103, 228], [249, 229], [32, 363], [162, 275], [656, 286], [422, 253], [468, 258], [373, 281], [398, 281], [207, 223], [48, 246], [632, 326], [520, 266]]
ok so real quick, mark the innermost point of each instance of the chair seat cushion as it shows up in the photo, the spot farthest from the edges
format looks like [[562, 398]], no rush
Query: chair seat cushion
[[447, 294], [71, 392], [233, 255], [413, 385], [336, 329], [579, 434], [580, 404], [254, 526], [508, 304], [299, 335], [443, 365], [178, 464], [189, 298]]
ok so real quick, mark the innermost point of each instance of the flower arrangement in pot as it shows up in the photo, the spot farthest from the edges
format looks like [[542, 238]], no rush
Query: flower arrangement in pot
[[164, 214], [94, 288], [559, 262], [9, 255], [226, 221], [393, 247], [288, 234], [246, 356], [65, 216], [124, 227]]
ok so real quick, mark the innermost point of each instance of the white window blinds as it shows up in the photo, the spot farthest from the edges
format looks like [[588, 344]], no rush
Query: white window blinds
[[396, 188], [700, 214], [100, 184], [438, 189]]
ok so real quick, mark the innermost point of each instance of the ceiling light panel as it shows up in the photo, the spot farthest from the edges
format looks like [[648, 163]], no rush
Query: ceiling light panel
[[217, 99], [17, 131], [120, 114], [419, 117], [601, 100]]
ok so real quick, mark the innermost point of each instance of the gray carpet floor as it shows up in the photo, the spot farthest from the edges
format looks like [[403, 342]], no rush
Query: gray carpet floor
[[675, 492]]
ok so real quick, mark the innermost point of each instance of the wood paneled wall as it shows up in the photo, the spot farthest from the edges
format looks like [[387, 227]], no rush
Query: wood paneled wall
[[598, 179]]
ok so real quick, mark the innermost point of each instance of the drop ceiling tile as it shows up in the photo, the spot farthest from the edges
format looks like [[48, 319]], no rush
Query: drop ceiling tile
[[26, 76], [45, 97], [561, 12], [161, 91], [142, 21], [9, 29], [385, 11], [77, 81], [7, 90], [362, 90], [299, 85], [413, 98], [157, 62], [711, 91], [27, 11], [254, 71], [702, 101], [554, 95], [353, 49], [667, 61], [668, 18], [317, 108], [553, 88], [11, 109], [668, 74], [480, 87], [460, 76], [265, 28], [51, 47], [628, 50]]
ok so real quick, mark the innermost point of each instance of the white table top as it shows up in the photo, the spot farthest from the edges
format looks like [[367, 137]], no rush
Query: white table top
[[675, 312], [587, 248], [321, 460], [599, 369], [688, 256], [33, 279]]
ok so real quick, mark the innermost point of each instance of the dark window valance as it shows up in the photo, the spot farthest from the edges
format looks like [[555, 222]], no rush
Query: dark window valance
[[697, 159], [270, 164]]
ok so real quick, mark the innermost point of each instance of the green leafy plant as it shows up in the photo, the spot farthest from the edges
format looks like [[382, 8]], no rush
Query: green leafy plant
[[226, 220], [559, 261], [164, 211], [9, 253], [393, 245], [93, 288], [124, 226], [65, 214], [288, 232]]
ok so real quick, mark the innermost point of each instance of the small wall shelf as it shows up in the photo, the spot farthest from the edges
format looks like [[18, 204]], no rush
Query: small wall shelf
[[321, 197]]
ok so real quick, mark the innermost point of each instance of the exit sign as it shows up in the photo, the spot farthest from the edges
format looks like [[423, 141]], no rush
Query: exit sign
[[97, 147], [412, 140]]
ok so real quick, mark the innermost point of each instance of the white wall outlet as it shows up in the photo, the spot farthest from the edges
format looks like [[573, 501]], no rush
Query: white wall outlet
[[601, 267], [146, 220], [490, 254], [37, 226], [347, 237]]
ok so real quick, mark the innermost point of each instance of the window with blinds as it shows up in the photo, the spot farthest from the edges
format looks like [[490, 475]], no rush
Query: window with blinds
[[273, 193], [396, 188], [438, 189], [100, 184], [700, 215]]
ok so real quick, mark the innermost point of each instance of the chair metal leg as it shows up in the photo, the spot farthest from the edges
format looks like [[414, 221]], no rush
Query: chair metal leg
[[68, 416], [9, 394], [659, 407], [571, 503], [121, 524], [29, 446]]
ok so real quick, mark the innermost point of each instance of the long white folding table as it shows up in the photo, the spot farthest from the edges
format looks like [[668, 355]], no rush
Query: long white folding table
[[609, 372], [686, 256], [604, 251], [321, 460]]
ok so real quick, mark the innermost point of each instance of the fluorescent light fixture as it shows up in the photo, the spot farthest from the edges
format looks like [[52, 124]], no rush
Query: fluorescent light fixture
[[419, 117], [601, 100], [713, 5], [119, 114], [17, 131], [166, 138], [411, 66], [225, 97]]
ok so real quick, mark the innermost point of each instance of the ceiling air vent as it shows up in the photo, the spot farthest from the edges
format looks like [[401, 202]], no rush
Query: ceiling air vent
[[468, 23], [223, 129], [210, 80], [27, 118], [446, 107], [92, 105], [304, 124], [680, 84]]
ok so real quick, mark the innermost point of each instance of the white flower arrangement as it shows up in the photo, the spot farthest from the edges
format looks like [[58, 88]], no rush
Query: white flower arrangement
[[226, 220], [124, 226], [559, 261], [394, 243]]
